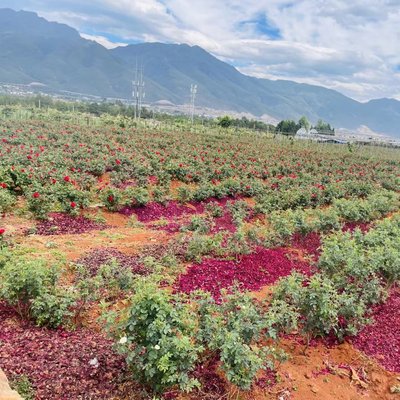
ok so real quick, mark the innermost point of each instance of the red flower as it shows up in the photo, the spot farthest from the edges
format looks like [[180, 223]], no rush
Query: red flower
[[67, 178], [2, 230], [110, 198], [36, 195], [118, 162], [73, 204], [3, 185]]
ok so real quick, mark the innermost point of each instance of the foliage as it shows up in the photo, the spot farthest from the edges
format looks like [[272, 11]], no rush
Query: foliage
[[111, 198], [136, 196], [32, 288], [353, 267], [225, 121], [163, 336], [239, 211], [201, 245], [7, 201], [304, 123], [214, 209], [157, 333], [287, 127], [23, 386], [39, 204], [323, 309], [233, 328], [324, 128], [201, 225], [184, 194]]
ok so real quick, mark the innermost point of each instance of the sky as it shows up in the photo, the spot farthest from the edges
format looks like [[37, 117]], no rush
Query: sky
[[352, 46]]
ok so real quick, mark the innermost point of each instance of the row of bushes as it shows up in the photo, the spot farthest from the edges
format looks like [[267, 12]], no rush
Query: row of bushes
[[355, 272], [281, 225]]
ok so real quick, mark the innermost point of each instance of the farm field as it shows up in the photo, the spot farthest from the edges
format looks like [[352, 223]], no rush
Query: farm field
[[155, 262]]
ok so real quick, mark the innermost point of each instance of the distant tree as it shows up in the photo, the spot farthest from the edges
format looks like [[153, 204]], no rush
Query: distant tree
[[324, 128], [244, 122], [304, 123], [225, 121], [287, 127], [94, 108]]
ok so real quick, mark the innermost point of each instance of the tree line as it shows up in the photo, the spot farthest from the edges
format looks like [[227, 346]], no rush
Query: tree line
[[119, 108]]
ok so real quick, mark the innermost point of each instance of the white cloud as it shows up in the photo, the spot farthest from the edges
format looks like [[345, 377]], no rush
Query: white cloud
[[352, 46], [103, 41]]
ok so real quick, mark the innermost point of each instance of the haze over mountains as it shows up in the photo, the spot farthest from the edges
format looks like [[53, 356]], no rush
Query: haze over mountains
[[35, 50]]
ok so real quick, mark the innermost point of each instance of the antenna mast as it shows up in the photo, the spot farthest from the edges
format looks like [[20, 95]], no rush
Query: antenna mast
[[138, 93], [193, 92]]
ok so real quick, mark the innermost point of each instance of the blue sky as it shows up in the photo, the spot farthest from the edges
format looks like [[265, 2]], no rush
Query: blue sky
[[351, 46]]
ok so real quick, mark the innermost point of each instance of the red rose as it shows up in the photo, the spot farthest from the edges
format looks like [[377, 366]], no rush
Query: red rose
[[2, 230], [36, 195], [118, 162], [73, 204], [67, 178], [110, 198]]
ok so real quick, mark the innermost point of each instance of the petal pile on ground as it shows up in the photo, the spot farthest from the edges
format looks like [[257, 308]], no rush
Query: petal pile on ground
[[310, 243], [62, 224], [98, 257], [224, 223], [60, 364], [154, 211], [382, 339], [350, 226], [252, 271]]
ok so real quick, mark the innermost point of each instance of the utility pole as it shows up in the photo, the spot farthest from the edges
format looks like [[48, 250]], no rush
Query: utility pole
[[193, 92], [138, 93]]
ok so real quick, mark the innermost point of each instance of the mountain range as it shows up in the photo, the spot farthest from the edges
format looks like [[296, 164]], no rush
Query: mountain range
[[36, 50]]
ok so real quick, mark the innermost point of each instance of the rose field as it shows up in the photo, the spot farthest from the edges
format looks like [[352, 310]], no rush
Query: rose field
[[150, 261]]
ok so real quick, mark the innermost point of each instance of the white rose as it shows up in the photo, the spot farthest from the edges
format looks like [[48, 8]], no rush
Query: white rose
[[94, 362], [157, 347], [123, 340]]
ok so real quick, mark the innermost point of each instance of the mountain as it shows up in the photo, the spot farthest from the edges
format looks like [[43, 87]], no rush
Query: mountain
[[36, 50], [176, 67]]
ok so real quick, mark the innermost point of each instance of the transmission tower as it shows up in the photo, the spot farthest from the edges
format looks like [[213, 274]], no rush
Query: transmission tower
[[138, 92], [193, 92]]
